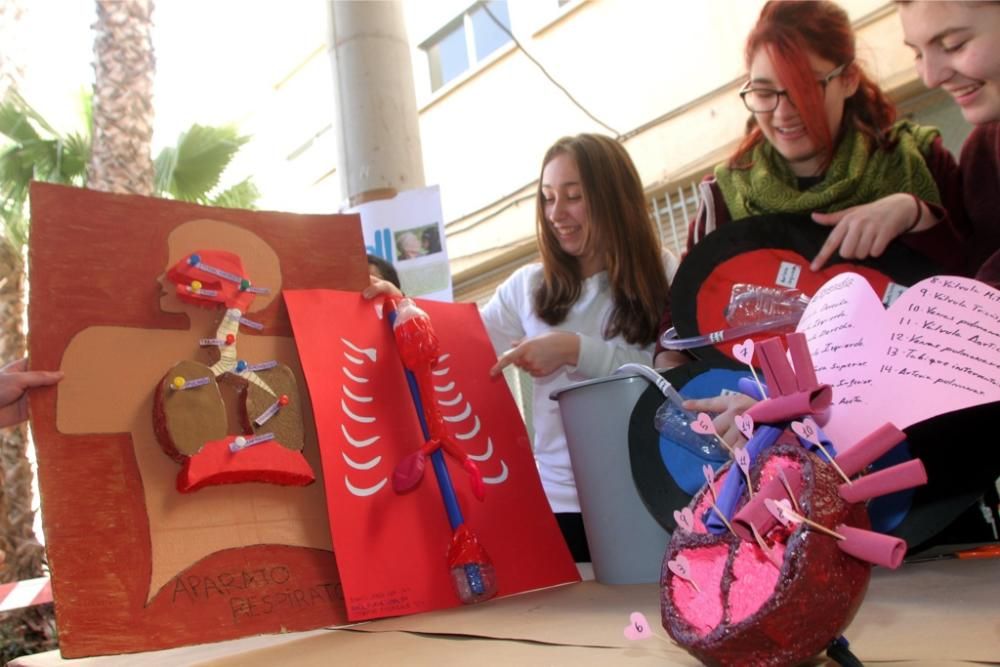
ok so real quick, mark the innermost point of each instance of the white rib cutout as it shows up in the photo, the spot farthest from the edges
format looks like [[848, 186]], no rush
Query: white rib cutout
[[485, 455], [499, 479], [367, 465], [452, 401], [462, 416], [354, 360], [447, 387], [471, 434], [367, 491], [353, 396], [357, 418], [358, 443], [368, 351], [353, 376], [441, 371]]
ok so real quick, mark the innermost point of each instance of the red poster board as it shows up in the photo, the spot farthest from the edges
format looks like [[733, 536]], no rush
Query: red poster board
[[135, 565], [391, 548]]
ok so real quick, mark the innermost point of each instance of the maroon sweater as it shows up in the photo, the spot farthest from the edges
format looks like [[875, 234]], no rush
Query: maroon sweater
[[980, 169], [941, 243]]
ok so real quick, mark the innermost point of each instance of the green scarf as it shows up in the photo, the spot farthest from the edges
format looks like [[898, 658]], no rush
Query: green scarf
[[856, 175]]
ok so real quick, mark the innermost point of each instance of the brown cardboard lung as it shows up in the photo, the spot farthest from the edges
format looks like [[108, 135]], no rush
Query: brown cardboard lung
[[136, 565]]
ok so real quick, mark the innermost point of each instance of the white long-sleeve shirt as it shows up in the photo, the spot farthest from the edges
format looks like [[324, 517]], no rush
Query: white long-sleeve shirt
[[509, 315]]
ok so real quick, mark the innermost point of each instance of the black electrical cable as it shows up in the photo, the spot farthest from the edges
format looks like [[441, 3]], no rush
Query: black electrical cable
[[541, 67]]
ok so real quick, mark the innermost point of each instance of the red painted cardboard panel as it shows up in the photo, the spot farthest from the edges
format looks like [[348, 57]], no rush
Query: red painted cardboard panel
[[136, 565], [391, 548]]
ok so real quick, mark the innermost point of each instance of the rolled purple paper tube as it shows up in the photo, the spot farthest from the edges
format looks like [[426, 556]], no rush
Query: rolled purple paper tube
[[870, 546], [805, 373], [792, 406], [755, 511], [869, 448], [881, 483], [733, 485], [777, 371], [749, 387]]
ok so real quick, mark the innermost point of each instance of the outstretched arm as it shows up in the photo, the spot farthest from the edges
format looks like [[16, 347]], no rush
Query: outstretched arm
[[15, 381], [865, 231]]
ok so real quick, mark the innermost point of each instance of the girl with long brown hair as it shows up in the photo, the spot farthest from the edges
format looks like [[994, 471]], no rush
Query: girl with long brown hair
[[592, 304]]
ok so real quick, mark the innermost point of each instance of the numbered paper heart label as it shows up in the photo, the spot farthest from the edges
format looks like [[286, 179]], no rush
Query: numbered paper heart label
[[703, 424], [782, 511], [743, 459], [638, 627], [685, 519], [745, 424], [807, 430], [744, 351], [680, 567]]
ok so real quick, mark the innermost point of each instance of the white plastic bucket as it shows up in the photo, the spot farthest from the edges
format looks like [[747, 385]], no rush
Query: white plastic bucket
[[626, 542]]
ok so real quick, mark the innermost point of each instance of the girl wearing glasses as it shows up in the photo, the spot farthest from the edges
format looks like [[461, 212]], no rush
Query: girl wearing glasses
[[823, 140], [957, 48]]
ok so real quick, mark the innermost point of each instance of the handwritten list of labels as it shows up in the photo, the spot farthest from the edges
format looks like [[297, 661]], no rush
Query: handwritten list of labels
[[936, 349]]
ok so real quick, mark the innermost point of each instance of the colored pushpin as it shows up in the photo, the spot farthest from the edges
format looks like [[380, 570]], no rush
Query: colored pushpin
[[194, 259], [195, 285], [180, 383], [242, 442], [271, 410], [230, 339], [241, 366], [244, 285]]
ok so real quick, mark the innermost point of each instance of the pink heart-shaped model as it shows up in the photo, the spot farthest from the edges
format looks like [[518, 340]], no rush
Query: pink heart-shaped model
[[638, 627], [737, 607], [744, 351], [703, 424], [933, 351], [745, 425]]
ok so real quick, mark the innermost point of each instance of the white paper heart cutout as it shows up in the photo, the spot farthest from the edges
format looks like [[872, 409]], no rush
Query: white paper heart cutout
[[935, 350]]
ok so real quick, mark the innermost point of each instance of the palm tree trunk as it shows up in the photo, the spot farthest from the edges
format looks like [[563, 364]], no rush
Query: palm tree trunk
[[123, 98]]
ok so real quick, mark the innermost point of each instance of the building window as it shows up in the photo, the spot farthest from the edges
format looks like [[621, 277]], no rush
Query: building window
[[466, 41]]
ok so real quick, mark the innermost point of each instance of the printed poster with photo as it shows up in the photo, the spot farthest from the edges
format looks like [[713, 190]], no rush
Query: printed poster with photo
[[408, 232]]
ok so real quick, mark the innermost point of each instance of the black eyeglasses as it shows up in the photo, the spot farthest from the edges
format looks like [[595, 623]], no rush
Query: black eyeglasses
[[765, 100]]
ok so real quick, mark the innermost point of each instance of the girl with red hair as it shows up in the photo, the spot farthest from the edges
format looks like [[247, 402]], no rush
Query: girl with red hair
[[823, 140]]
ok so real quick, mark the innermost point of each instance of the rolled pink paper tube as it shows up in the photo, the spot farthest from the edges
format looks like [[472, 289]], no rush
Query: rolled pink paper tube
[[791, 406], [870, 546], [805, 374], [898, 477], [778, 373], [755, 511], [869, 448]]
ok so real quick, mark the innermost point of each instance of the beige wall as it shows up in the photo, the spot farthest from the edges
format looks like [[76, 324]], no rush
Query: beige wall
[[664, 74]]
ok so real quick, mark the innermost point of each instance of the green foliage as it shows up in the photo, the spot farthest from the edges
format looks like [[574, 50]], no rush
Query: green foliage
[[31, 149], [191, 170]]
